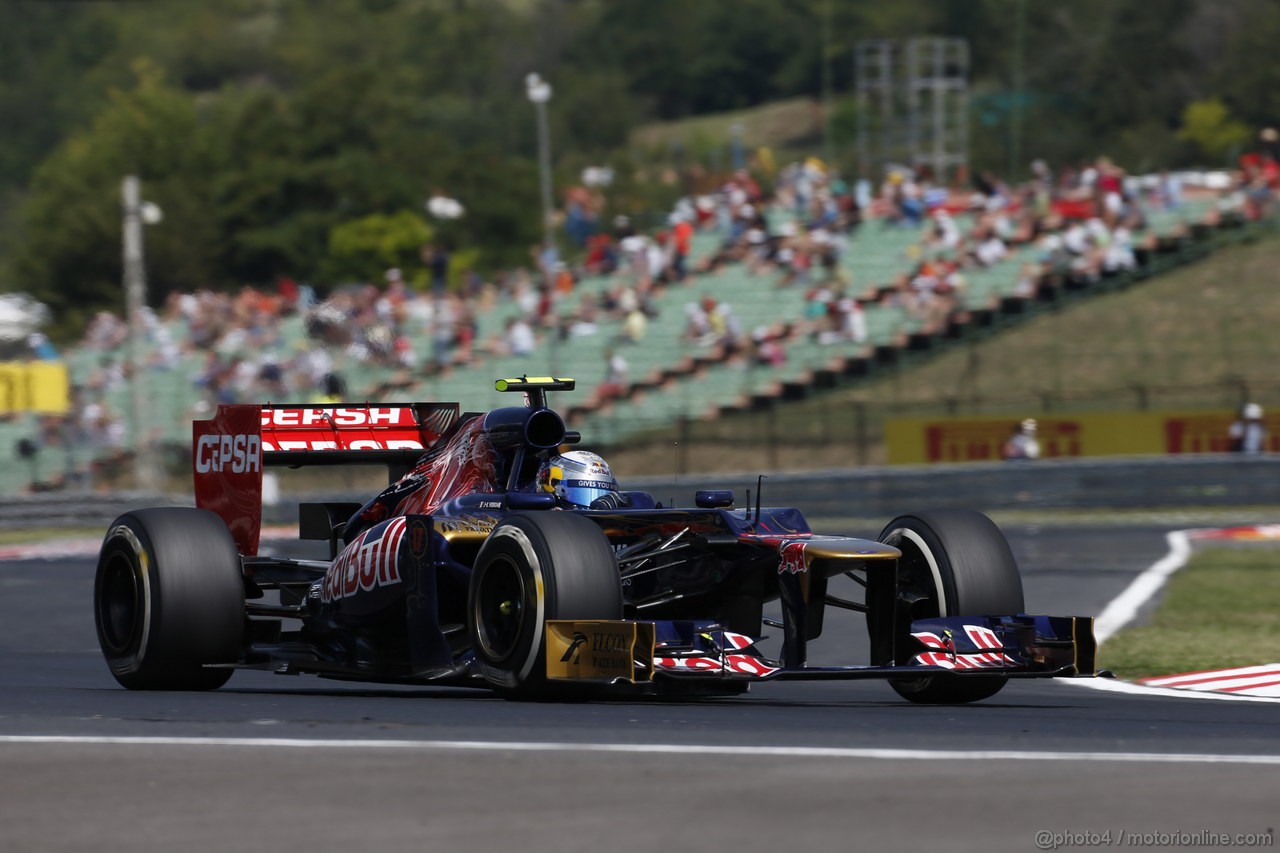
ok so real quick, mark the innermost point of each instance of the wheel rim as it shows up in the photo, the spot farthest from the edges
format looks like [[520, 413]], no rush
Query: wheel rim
[[500, 609], [119, 604]]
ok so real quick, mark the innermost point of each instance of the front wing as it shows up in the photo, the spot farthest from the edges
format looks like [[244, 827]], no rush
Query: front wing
[[962, 646]]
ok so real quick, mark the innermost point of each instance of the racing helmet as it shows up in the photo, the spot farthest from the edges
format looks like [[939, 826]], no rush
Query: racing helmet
[[577, 477]]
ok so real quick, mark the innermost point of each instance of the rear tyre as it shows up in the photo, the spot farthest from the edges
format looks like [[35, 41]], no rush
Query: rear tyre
[[955, 562], [535, 567], [169, 599]]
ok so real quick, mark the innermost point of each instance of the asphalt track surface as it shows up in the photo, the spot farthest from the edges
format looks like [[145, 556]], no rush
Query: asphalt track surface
[[278, 763]]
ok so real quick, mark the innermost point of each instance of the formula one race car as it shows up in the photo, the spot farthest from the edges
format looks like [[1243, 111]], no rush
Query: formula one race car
[[472, 568]]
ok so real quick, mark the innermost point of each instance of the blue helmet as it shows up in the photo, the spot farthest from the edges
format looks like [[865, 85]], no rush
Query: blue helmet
[[577, 477]]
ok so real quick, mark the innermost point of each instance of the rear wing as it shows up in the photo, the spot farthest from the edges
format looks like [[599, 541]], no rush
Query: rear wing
[[230, 449]]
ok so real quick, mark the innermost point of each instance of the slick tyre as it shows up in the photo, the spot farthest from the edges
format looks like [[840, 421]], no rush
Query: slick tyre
[[169, 599], [535, 567], [955, 562]]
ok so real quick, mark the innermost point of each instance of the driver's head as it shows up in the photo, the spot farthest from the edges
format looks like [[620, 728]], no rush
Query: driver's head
[[578, 478]]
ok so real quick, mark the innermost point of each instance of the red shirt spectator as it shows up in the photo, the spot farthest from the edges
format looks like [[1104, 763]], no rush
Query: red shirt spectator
[[683, 232]]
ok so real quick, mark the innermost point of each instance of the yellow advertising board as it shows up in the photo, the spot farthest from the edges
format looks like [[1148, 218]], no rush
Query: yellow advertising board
[[922, 440], [34, 386]]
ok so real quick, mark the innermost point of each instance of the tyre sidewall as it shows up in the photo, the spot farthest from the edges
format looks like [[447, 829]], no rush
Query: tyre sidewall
[[189, 605], [974, 574], [510, 541], [569, 572], [969, 559], [126, 545]]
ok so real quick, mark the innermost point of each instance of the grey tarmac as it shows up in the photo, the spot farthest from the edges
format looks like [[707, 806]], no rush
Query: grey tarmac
[[221, 796]]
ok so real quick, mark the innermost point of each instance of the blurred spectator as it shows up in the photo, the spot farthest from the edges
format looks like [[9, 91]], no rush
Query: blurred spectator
[[1248, 434], [1022, 444], [335, 390], [520, 337], [682, 235], [769, 349], [41, 348], [634, 327]]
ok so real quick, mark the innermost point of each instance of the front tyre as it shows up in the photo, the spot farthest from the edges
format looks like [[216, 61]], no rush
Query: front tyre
[[534, 567], [955, 562], [169, 599]]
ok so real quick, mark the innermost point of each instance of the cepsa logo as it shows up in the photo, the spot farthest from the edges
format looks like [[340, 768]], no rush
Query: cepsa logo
[[239, 454]]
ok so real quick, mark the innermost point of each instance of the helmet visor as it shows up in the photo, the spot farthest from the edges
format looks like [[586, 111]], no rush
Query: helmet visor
[[584, 492]]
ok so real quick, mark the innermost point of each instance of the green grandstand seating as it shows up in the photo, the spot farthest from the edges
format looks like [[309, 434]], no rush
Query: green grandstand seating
[[876, 256]]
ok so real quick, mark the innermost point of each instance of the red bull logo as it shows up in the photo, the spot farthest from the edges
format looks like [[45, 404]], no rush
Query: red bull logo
[[369, 562]]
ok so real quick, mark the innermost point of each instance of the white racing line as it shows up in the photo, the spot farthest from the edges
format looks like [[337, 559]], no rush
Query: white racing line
[[1124, 609], [655, 749]]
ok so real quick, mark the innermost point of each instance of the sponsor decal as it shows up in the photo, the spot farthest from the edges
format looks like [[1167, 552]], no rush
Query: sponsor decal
[[237, 454], [606, 485], [792, 560], [690, 664], [419, 538], [466, 524], [607, 651], [748, 665], [329, 444], [599, 650], [320, 428], [40, 386], [984, 638], [733, 663], [737, 641], [340, 417], [573, 654], [1171, 431], [366, 564], [947, 657], [971, 441]]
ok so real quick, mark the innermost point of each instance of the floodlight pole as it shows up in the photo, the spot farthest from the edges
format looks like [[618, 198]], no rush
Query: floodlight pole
[[135, 295], [539, 92]]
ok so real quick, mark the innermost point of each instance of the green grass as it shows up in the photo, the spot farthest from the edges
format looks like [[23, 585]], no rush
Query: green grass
[[777, 125], [1221, 610], [1184, 336]]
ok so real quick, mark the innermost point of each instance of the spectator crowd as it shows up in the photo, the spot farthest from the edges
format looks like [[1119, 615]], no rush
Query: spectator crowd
[[808, 234]]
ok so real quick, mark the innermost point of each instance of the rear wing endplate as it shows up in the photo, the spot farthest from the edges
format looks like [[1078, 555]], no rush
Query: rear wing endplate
[[230, 450]]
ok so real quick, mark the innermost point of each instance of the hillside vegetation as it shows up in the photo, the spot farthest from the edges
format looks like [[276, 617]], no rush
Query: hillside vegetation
[[301, 138]]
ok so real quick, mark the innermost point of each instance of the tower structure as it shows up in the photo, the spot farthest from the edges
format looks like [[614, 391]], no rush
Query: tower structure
[[913, 104]]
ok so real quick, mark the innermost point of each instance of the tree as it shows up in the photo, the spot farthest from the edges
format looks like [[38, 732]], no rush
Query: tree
[[68, 251], [1210, 126], [361, 248]]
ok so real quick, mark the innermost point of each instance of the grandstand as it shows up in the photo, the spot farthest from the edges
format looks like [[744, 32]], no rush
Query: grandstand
[[671, 376]]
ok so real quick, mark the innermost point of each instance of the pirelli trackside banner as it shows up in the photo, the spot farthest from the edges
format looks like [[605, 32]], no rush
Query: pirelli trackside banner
[[919, 440], [36, 386]]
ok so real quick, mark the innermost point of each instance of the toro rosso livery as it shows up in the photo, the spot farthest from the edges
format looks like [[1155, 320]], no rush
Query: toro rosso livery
[[496, 560]]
